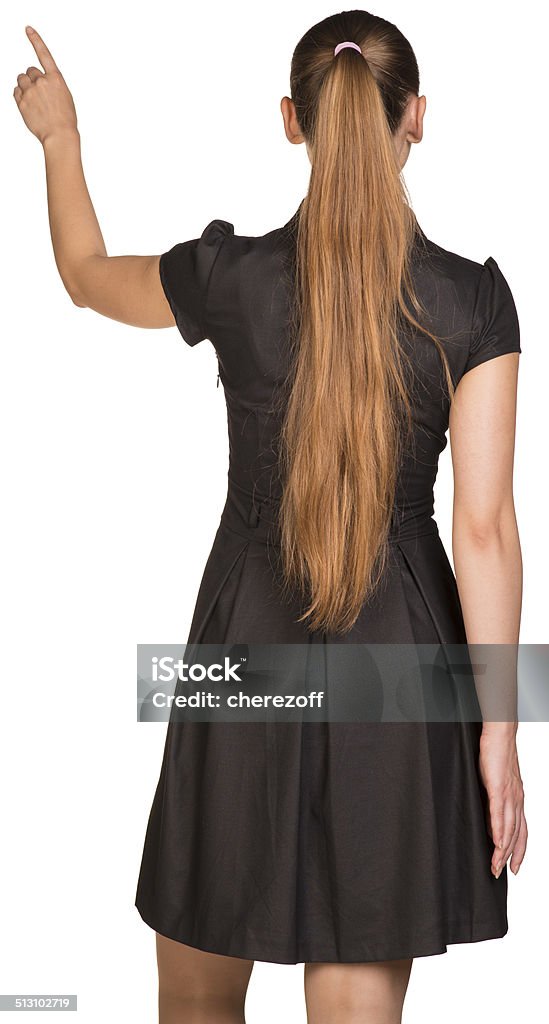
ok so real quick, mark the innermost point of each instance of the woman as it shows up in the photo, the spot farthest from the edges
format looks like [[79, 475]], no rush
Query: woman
[[347, 343]]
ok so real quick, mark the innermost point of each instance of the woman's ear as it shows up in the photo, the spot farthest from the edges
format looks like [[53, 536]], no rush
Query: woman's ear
[[415, 119], [291, 124]]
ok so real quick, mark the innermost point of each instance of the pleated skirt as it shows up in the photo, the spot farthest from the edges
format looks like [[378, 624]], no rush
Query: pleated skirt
[[326, 841]]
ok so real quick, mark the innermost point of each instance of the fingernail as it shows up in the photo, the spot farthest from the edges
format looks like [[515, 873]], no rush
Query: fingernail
[[29, 28], [501, 845], [498, 865]]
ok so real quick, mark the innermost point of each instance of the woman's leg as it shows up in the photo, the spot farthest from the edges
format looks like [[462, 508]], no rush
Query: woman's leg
[[195, 987], [368, 993]]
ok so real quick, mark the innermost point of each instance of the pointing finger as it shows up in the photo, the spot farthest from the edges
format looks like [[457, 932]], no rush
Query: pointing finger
[[42, 52]]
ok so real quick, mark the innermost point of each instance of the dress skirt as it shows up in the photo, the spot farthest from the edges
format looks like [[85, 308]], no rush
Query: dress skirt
[[321, 841]]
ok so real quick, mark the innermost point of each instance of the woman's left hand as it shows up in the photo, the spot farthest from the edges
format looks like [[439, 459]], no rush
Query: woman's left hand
[[43, 97]]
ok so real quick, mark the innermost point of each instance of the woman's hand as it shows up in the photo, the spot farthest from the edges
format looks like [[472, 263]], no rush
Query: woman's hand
[[500, 773], [43, 97]]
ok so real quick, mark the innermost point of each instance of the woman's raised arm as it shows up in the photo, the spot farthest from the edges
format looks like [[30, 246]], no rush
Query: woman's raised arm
[[124, 288]]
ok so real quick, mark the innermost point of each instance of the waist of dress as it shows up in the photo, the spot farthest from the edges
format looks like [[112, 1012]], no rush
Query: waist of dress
[[254, 517]]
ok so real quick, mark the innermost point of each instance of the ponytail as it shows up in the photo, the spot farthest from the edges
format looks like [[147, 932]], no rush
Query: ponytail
[[348, 412]]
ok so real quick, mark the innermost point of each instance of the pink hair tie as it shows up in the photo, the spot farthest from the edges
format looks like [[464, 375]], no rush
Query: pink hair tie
[[347, 43]]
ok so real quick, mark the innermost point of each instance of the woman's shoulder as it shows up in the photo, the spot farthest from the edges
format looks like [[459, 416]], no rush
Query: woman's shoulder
[[218, 230], [476, 293], [480, 284], [245, 255], [446, 262]]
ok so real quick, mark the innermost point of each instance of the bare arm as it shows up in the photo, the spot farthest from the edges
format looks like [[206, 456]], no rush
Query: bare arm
[[486, 547], [485, 540], [488, 568], [124, 288]]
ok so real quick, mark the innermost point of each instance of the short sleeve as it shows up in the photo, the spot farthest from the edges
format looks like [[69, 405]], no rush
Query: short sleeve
[[495, 326], [185, 272]]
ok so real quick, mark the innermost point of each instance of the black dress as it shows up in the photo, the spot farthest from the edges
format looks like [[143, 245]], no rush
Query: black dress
[[322, 841]]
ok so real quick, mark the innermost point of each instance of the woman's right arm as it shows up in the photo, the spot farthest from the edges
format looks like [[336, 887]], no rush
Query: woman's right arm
[[488, 569], [124, 288]]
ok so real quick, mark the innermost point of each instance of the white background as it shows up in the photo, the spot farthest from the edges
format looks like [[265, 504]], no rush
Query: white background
[[114, 450]]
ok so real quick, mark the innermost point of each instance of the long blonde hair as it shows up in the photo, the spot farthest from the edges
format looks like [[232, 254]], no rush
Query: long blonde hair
[[348, 409]]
